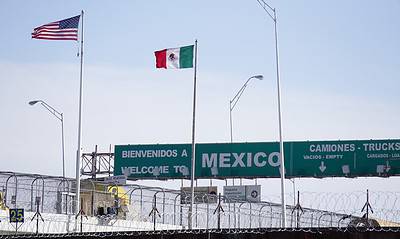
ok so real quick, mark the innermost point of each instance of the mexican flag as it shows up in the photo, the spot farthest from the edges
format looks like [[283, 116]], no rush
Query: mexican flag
[[175, 58]]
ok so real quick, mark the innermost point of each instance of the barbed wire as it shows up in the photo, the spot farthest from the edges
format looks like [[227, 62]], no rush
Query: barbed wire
[[226, 232]]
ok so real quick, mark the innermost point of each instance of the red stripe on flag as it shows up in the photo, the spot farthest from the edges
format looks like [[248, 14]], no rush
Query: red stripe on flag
[[59, 38], [54, 35], [161, 58]]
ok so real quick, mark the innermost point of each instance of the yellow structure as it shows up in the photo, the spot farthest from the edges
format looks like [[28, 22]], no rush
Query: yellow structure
[[2, 204], [98, 199]]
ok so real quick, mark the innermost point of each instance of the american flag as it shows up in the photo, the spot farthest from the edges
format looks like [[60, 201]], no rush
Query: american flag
[[66, 29]]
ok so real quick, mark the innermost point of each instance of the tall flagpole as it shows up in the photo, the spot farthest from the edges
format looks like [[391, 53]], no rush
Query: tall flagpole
[[192, 176], [78, 155]]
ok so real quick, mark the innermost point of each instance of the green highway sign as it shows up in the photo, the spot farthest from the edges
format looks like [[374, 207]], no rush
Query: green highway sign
[[162, 161], [237, 160], [348, 158], [344, 158]]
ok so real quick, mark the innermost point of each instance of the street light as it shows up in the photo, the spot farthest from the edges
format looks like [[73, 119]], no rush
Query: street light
[[268, 10], [59, 116], [235, 99]]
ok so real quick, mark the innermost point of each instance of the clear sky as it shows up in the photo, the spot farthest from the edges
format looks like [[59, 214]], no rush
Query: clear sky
[[339, 72]]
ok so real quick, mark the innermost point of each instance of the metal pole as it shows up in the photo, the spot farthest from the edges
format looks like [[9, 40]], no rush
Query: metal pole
[[154, 211], [230, 119], [297, 213], [192, 176], [231, 131], [37, 219], [180, 205], [282, 165], [367, 206], [60, 117], [235, 100], [294, 190], [81, 228], [219, 212], [78, 155], [267, 9], [62, 142]]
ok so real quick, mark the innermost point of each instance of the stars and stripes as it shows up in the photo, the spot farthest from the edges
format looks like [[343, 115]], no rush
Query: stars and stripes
[[66, 29]]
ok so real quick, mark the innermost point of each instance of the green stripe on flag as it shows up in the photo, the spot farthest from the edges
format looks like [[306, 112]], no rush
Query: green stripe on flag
[[186, 57]]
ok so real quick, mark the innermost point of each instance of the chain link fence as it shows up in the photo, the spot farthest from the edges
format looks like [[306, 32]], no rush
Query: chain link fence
[[107, 207]]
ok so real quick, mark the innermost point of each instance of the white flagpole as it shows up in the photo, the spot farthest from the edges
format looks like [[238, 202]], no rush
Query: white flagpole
[[192, 176], [78, 155]]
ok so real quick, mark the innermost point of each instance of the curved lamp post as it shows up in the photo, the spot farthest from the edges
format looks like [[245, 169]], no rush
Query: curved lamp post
[[60, 117], [235, 99]]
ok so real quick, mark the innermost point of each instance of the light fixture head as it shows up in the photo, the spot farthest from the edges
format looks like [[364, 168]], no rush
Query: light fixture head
[[33, 102], [259, 77]]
